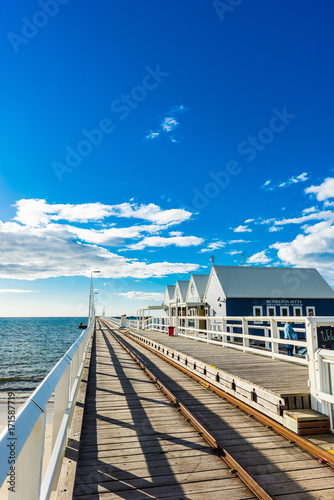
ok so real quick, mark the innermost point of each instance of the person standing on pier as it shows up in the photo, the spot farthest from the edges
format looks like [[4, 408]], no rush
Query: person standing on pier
[[289, 334]]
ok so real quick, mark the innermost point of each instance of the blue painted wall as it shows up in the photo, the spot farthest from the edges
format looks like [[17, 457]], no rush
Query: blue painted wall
[[244, 307]]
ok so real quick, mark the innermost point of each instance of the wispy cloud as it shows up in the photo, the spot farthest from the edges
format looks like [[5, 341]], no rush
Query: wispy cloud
[[37, 212], [232, 242], [294, 180], [310, 210], [152, 135], [168, 124], [242, 229], [213, 246], [158, 297], [160, 241], [16, 290], [268, 186]]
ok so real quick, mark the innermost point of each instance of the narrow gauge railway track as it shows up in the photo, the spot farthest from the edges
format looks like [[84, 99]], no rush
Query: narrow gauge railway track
[[272, 461], [134, 444]]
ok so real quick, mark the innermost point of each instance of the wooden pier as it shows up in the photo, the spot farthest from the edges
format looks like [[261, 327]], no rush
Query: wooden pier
[[133, 443], [268, 385]]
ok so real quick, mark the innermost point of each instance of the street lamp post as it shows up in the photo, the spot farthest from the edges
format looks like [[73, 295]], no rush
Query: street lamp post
[[91, 308]]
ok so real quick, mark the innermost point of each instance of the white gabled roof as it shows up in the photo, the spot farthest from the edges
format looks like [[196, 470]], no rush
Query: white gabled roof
[[169, 293], [181, 289], [200, 281], [276, 282]]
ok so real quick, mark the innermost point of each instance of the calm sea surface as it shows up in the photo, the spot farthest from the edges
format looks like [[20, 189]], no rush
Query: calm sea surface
[[30, 347]]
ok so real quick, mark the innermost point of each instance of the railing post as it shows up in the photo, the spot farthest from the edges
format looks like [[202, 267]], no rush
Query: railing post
[[29, 463], [274, 335], [196, 331], [208, 330], [224, 329], [61, 401], [312, 347], [245, 341], [266, 334]]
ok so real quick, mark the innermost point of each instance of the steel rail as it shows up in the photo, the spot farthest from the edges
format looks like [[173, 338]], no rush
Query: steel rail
[[255, 486], [322, 455]]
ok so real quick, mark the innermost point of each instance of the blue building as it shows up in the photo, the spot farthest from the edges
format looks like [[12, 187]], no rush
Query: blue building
[[267, 291]]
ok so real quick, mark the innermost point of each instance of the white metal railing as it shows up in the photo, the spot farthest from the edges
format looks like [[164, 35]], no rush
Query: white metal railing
[[261, 335], [26, 432]]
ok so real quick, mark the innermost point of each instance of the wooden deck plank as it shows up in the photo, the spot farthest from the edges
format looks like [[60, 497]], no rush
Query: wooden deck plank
[[132, 437], [135, 445], [233, 428], [278, 376]]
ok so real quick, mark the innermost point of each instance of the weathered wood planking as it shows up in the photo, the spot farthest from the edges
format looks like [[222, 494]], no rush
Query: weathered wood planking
[[281, 466], [134, 444], [265, 384]]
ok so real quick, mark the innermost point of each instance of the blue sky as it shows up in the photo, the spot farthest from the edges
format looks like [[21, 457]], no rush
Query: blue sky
[[139, 138]]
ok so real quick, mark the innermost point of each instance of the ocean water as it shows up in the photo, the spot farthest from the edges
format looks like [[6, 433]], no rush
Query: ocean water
[[29, 349]]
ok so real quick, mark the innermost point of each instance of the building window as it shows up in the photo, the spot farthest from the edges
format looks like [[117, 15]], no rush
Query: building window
[[284, 311], [297, 311], [257, 311], [310, 309], [271, 311]]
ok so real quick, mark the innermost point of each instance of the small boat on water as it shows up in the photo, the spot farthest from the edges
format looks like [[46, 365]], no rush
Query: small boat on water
[[82, 326]]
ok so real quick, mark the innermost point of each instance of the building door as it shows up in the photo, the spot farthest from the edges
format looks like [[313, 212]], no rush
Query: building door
[[201, 322]]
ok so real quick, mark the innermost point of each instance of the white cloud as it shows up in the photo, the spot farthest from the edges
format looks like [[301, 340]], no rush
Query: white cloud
[[148, 296], [15, 290], [178, 109], [232, 242], [32, 246], [322, 215], [266, 221], [160, 241], [324, 191], [175, 233], [242, 229], [249, 220], [114, 236], [175, 138], [151, 135], [274, 229], [314, 248], [310, 210], [32, 253], [293, 180], [36, 212], [259, 258], [168, 124], [266, 184], [234, 252], [213, 246]]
